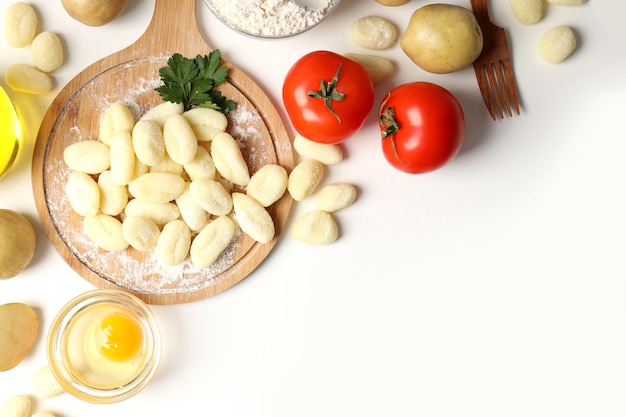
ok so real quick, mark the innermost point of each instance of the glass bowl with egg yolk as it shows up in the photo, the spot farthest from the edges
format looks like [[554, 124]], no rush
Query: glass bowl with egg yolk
[[104, 346]]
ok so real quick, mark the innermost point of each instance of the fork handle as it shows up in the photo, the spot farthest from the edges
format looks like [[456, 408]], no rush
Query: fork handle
[[481, 10]]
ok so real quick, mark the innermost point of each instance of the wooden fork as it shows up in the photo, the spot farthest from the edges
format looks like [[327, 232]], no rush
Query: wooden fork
[[493, 67]]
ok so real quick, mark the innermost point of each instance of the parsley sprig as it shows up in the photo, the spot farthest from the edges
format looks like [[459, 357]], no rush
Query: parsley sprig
[[193, 81]]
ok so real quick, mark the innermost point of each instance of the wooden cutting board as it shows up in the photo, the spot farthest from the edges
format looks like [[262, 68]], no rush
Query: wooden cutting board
[[130, 76]]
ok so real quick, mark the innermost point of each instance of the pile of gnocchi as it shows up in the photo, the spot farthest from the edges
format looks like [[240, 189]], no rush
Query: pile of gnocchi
[[175, 182]]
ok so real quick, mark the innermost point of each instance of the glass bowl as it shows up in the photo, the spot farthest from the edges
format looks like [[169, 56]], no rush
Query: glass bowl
[[104, 346], [287, 18]]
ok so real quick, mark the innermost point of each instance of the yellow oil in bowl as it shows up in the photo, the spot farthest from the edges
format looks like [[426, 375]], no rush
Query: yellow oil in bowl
[[10, 133]]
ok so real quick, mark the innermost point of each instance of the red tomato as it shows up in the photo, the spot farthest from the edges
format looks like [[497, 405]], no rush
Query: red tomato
[[422, 127], [327, 96]]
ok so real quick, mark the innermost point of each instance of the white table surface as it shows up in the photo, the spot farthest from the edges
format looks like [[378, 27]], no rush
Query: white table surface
[[495, 286]]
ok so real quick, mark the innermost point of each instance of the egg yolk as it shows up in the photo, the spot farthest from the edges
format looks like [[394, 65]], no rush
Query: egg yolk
[[122, 337]]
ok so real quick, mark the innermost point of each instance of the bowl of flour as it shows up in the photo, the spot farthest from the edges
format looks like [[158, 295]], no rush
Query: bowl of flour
[[271, 18]]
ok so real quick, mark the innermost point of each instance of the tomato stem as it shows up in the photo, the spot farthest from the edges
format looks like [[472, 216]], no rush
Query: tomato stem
[[328, 92], [388, 120]]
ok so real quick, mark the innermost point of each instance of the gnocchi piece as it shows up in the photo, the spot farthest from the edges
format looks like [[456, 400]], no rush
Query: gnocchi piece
[[527, 12], [106, 232], [567, 2], [47, 51], [315, 228], [268, 184], [378, 67], [253, 218], [44, 384], [168, 165], [211, 196], [28, 79], [305, 178], [324, 153], [43, 414], [162, 111], [191, 212], [160, 213], [205, 122], [180, 140], [122, 158], [211, 242], [88, 156], [113, 197], [157, 187], [16, 406], [148, 142], [20, 24], [373, 32], [116, 118], [228, 159], [82, 193], [557, 44], [334, 197], [140, 232], [173, 244], [202, 165]]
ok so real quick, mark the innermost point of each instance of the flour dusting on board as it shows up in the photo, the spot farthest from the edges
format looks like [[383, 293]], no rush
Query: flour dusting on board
[[141, 272]]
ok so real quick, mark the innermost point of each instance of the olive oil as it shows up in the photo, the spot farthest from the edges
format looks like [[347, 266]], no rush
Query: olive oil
[[10, 133]]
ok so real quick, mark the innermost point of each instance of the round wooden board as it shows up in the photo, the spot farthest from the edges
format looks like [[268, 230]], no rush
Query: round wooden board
[[256, 126]]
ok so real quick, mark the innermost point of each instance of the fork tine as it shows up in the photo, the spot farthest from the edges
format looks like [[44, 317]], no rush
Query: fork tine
[[502, 87], [510, 82], [495, 88], [481, 75]]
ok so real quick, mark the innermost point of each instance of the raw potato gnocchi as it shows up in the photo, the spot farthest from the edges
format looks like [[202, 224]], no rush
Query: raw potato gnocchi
[[373, 32], [16, 406], [173, 243], [253, 219], [305, 178], [88, 156], [20, 24], [334, 197], [44, 384], [378, 68], [47, 51], [27, 79], [228, 159], [557, 44], [83, 193], [315, 228], [268, 184], [140, 232], [209, 244], [324, 153], [527, 12], [106, 232]]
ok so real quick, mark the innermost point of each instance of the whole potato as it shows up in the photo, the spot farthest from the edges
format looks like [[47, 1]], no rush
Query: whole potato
[[392, 2], [442, 38], [17, 243], [19, 328], [94, 12]]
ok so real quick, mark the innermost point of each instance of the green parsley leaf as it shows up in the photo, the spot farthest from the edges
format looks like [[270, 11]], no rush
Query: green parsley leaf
[[193, 81]]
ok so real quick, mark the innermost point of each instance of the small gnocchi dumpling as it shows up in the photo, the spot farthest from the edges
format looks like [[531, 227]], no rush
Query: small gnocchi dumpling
[[47, 51], [253, 219], [205, 122], [305, 178], [16, 406], [191, 212], [211, 242], [148, 142], [334, 197], [28, 79], [373, 32], [82, 193], [116, 118], [557, 44], [122, 157], [202, 165], [315, 228], [162, 111], [88, 156], [141, 232], [168, 165], [211, 196], [180, 140], [157, 187], [378, 67], [113, 197], [527, 12], [106, 232], [229, 160], [268, 184], [20, 24], [160, 213], [44, 384], [324, 153], [173, 244]]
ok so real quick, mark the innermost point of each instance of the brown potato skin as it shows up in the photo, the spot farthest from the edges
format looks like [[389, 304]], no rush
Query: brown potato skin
[[19, 329], [392, 2], [17, 243], [94, 12]]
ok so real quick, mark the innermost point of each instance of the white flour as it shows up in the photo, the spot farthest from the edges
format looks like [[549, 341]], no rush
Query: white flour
[[271, 18]]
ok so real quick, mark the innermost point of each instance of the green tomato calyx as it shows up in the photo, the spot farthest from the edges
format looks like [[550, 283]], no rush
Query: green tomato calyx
[[329, 93]]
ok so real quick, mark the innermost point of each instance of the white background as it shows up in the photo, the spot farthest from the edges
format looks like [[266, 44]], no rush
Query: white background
[[492, 287]]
